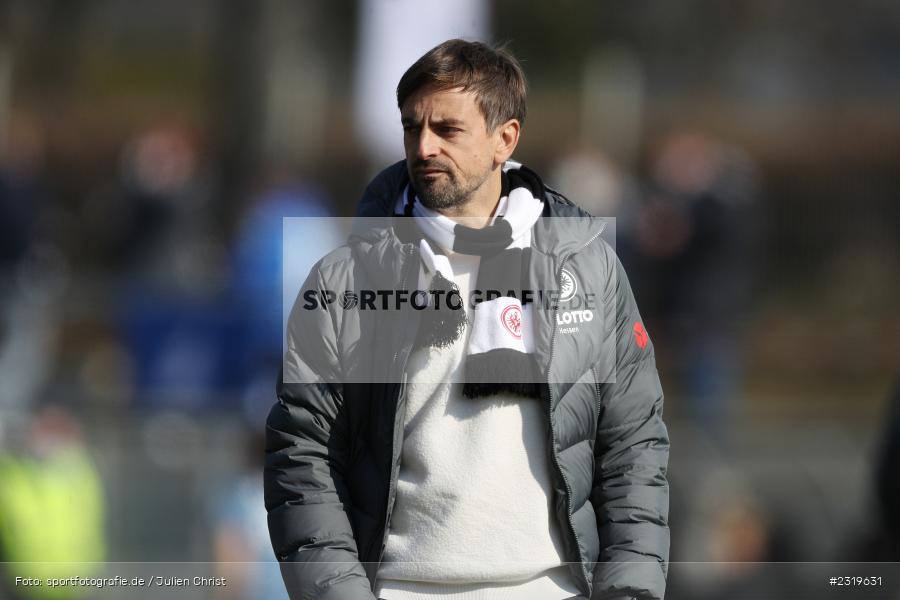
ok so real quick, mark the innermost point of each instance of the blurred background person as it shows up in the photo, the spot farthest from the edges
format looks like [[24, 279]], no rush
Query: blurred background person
[[698, 245], [32, 269], [51, 508], [280, 236], [887, 480], [241, 546], [877, 539]]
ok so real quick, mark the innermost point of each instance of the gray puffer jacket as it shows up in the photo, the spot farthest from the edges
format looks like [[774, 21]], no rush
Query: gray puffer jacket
[[333, 447]]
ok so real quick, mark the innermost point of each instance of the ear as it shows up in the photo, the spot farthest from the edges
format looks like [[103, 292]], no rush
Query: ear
[[507, 138]]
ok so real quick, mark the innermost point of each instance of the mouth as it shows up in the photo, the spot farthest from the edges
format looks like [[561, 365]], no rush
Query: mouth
[[429, 171]]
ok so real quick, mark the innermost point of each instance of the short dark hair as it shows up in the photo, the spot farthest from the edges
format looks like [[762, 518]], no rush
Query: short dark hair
[[492, 73]]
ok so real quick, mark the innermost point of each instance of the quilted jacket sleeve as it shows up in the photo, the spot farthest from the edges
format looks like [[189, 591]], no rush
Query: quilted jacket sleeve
[[307, 450], [630, 491]]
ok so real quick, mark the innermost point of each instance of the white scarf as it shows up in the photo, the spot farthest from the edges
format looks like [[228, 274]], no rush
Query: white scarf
[[499, 353]]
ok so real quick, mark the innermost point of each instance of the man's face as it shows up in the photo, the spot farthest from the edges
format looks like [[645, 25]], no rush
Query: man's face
[[449, 152]]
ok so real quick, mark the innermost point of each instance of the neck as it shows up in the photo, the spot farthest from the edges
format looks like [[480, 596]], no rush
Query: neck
[[477, 211]]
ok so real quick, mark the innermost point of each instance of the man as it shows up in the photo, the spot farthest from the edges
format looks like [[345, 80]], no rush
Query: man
[[509, 445]]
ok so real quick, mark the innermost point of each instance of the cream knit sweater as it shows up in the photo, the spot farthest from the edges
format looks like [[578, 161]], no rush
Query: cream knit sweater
[[473, 516]]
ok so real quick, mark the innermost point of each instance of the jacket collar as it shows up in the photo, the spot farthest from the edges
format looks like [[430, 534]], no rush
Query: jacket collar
[[553, 237]]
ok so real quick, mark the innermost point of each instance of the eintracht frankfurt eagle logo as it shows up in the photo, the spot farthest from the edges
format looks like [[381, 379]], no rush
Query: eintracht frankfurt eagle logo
[[511, 317], [569, 286]]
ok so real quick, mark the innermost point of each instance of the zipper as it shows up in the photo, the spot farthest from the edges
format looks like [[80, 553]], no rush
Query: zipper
[[597, 392], [553, 452], [399, 360]]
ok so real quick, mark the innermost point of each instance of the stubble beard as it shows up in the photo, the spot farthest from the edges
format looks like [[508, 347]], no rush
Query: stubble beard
[[448, 191]]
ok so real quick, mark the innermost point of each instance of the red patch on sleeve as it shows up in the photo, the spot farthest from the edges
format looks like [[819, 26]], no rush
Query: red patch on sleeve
[[640, 335]]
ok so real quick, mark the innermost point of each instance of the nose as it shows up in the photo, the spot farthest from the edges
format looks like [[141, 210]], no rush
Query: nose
[[427, 145]]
